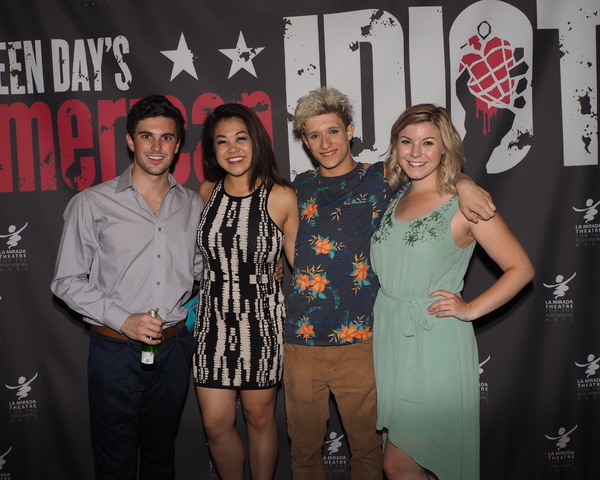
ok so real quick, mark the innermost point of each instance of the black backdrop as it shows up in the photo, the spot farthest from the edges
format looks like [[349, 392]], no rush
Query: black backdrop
[[521, 81]]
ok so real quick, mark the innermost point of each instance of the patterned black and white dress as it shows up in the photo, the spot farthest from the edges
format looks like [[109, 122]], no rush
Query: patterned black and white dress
[[239, 326]]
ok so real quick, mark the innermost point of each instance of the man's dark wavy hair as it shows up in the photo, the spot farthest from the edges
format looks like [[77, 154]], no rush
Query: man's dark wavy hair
[[155, 106]]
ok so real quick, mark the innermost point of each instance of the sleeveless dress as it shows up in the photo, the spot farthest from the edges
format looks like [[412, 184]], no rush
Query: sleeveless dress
[[239, 325], [426, 368]]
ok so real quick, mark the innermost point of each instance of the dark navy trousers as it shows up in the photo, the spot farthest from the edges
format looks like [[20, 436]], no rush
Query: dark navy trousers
[[136, 411]]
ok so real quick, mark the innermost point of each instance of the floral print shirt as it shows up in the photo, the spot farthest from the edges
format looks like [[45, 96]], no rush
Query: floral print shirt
[[333, 284]]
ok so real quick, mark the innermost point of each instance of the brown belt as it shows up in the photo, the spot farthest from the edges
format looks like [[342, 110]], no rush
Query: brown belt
[[168, 333]]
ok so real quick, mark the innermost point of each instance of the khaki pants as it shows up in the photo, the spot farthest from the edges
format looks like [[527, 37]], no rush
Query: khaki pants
[[310, 374]]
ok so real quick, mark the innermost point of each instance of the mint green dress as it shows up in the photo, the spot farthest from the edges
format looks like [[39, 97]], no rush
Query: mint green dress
[[426, 368]]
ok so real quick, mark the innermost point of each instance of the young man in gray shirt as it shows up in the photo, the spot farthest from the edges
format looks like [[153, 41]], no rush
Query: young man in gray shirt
[[129, 246]]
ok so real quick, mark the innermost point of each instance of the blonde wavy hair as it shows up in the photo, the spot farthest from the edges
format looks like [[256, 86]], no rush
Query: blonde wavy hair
[[318, 102], [452, 160]]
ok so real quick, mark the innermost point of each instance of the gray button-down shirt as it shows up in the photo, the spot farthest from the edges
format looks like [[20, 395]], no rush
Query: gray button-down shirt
[[117, 258]]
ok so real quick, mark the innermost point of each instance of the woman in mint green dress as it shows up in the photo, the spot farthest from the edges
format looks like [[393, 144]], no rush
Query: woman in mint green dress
[[426, 361]]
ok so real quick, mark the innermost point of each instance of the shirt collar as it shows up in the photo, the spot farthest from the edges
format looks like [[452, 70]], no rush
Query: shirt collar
[[125, 181]]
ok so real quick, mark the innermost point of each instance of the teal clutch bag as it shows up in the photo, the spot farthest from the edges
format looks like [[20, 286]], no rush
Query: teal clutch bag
[[192, 306]]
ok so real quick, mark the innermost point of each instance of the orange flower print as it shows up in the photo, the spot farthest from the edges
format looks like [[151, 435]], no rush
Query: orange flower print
[[361, 271], [310, 210], [311, 283], [364, 334], [323, 246], [303, 281], [347, 333], [355, 331], [306, 331], [318, 283]]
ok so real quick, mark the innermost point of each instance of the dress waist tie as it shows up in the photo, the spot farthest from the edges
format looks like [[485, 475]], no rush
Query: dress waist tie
[[413, 314]]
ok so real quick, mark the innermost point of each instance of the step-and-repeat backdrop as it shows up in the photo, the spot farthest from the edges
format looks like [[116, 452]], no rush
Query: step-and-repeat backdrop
[[521, 80]]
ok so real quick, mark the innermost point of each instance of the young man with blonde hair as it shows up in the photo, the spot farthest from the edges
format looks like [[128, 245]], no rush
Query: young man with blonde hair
[[329, 326]]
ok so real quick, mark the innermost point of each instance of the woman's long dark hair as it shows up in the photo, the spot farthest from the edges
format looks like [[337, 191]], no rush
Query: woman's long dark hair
[[264, 167]]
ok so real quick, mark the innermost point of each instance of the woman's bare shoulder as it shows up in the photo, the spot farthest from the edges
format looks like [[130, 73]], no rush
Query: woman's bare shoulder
[[205, 190]]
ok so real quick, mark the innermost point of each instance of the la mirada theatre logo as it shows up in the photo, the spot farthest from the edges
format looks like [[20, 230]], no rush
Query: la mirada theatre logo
[[23, 406], [561, 307], [563, 456], [13, 257]]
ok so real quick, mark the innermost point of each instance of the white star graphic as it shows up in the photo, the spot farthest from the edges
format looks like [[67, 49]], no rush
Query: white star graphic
[[241, 56], [182, 58]]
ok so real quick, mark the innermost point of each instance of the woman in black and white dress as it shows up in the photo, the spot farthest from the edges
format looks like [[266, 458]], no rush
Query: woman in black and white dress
[[250, 215]]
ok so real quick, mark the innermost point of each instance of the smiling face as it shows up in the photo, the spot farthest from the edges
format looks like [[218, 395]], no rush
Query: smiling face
[[233, 147], [329, 142], [420, 149], [154, 145]]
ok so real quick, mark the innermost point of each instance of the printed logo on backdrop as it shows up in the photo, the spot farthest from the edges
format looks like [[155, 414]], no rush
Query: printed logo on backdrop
[[334, 460], [97, 65], [12, 256], [4, 475], [587, 233], [23, 405], [588, 384], [562, 456], [484, 392], [560, 308], [96, 3], [241, 58], [491, 59]]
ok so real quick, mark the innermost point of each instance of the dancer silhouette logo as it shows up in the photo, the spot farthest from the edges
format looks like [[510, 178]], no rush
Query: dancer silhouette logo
[[588, 384], [561, 307], [25, 406], [562, 458]]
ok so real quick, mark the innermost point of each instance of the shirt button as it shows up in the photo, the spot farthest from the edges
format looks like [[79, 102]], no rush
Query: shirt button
[[158, 283], [158, 255]]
